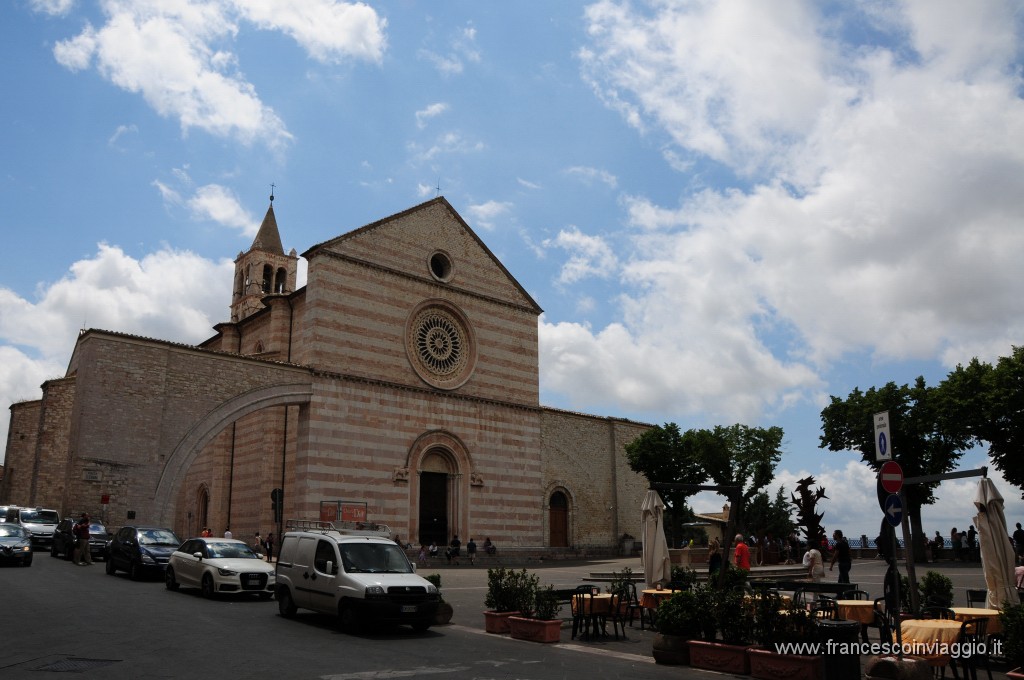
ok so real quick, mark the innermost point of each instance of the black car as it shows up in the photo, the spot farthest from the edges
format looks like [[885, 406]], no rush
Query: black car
[[64, 539], [15, 545], [141, 551]]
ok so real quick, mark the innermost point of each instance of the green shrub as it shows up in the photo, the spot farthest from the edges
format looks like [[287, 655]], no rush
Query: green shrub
[[546, 604], [1012, 619], [436, 580], [510, 591], [680, 615]]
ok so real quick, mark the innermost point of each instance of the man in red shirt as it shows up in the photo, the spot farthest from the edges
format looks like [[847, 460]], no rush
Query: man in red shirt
[[741, 556]]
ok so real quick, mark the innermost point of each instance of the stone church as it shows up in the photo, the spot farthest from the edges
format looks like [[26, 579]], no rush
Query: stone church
[[399, 385]]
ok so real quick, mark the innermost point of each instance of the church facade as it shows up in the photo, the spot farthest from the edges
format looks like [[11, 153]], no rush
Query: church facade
[[399, 385]]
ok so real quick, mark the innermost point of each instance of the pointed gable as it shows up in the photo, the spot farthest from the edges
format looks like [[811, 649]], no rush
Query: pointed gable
[[411, 241]]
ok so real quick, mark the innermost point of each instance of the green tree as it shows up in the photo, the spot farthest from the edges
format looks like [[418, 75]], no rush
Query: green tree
[[990, 402], [768, 517], [928, 437], [737, 455]]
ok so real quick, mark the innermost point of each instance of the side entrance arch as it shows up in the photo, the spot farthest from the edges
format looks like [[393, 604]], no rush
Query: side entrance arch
[[558, 519]]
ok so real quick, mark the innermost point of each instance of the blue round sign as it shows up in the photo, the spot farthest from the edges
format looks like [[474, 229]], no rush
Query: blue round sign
[[883, 445], [893, 510]]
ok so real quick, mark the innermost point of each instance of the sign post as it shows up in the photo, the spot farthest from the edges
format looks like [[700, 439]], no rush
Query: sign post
[[883, 441]]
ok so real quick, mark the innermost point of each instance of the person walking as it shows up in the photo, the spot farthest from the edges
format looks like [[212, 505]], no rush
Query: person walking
[[741, 555], [257, 544], [471, 550], [814, 563], [270, 547], [455, 547], [841, 554], [1018, 541]]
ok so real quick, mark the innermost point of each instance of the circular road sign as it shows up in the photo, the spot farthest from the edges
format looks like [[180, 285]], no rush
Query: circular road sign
[[891, 476], [894, 510]]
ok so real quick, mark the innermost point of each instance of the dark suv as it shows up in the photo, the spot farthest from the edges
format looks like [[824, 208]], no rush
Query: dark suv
[[141, 551], [64, 539]]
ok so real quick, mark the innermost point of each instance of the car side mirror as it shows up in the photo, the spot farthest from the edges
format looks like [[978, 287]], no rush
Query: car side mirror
[[329, 568], [197, 555]]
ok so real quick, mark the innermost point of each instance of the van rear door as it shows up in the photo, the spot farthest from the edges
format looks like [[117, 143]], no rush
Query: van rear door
[[299, 556]]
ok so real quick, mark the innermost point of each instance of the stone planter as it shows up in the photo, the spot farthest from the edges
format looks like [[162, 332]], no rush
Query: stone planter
[[671, 650], [715, 656], [444, 614], [497, 622], [769, 665], [535, 630]]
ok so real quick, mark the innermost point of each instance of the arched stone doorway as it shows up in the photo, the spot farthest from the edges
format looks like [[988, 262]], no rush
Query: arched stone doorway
[[435, 497], [558, 520], [202, 510]]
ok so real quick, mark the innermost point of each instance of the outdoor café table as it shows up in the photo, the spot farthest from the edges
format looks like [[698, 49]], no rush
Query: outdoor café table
[[991, 615], [596, 604], [650, 599], [924, 638]]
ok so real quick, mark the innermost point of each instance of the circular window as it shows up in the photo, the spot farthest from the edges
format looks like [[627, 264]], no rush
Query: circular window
[[441, 266], [439, 345]]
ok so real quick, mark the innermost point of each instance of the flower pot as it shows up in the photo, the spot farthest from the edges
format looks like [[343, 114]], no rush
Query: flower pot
[[769, 665], [715, 656], [535, 630], [497, 622], [444, 614], [671, 650]]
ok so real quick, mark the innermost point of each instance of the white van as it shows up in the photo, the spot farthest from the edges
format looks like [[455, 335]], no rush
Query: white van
[[353, 570], [40, 522]]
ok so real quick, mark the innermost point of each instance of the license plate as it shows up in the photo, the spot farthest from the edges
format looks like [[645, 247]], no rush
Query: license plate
[[253, 580], [409, 609]]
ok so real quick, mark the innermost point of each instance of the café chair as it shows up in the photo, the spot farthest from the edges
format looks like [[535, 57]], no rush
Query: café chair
[[583, 617], [977, 597], [938, 613], [633, 606], [855, 595], [617, 612], [825, 608], [973, 636]]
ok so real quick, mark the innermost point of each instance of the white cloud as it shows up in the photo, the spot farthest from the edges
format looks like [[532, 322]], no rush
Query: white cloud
[[329, 31], [172, 54], [883, 215], [121, 131], [462, 48], [431, 111], [484, 214], [589, 256], [527, 184], [218, 203], [590, 175], [447, 143], [52, 7]]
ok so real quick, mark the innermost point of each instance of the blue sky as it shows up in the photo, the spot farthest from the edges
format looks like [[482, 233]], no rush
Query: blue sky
[[728, 211]]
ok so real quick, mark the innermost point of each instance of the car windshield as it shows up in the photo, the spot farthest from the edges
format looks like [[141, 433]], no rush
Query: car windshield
[[11, 530], [374, 558], [97, 529], [39, 516], [231, 551], [158, 537]]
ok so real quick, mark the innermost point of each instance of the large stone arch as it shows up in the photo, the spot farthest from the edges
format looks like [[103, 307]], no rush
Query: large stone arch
[[457, 463], [207, 427]]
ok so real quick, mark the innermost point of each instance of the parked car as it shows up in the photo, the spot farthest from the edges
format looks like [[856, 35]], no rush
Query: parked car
[[353, 571], [141, 551], [220, 566], [15, 545], [64, 539], [39, 522]]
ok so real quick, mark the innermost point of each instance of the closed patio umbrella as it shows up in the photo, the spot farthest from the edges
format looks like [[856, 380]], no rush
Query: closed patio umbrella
[[996, 552], [657, 566]]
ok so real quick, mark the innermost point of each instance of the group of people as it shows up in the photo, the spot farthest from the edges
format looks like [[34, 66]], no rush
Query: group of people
[[812, 558], [264, 547], [454, 550]]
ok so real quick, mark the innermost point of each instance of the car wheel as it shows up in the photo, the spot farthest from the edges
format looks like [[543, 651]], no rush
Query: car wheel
[[110, 566], [207, 587], [53, 550], [27, 563], [134, 571], [285, 604], [421, 626], [346, 617], [169, 580]]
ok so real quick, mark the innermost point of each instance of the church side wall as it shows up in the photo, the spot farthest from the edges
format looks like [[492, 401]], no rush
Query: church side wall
[[22, 437], [49, 479], [361, 435], [585, 456]]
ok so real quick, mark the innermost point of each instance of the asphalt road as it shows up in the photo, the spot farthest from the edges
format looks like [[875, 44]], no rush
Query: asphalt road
[[60, 618]]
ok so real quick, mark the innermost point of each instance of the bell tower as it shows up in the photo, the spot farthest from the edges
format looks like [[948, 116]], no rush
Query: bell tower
[[262, 270]]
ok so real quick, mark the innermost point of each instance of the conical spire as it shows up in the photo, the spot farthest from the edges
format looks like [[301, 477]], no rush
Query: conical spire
[[268, 239]]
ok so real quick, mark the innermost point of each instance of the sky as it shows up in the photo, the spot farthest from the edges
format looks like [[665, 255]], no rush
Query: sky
[[729, 211]]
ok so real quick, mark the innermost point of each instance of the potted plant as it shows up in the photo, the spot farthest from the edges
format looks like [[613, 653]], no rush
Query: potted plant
[[444, 609], [678, 622], [507, 593], [936, 589], [734, 621], [540, 623], [1012, 619], [776, 627]]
